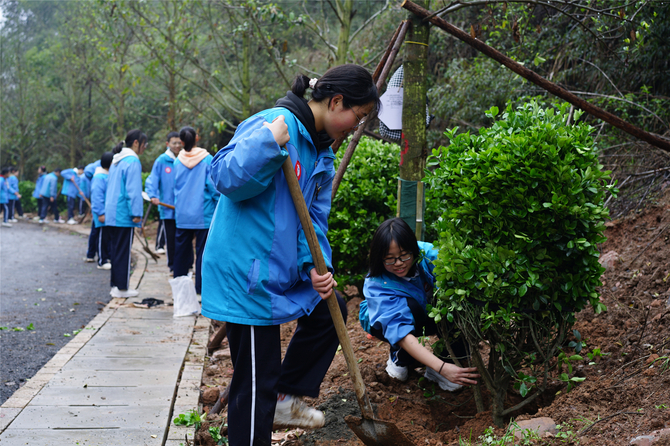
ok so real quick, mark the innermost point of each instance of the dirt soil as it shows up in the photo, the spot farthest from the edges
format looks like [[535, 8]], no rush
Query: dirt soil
[[626, 392]]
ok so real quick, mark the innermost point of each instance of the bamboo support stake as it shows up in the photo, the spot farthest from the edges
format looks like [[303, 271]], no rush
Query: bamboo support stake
[[535, 78]]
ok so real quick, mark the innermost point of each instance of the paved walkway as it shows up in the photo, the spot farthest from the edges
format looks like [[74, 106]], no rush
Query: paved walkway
[[119, 381]]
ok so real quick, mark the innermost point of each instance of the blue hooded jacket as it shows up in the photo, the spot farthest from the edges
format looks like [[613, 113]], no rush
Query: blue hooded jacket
[[85, 185], [195, 196], [257, 261], [385, 306], [13, 187], [38, 185], [89, 170], [160, 183], [50, 186], [69, 189], [98, 192], [123, 200], [4, 191]]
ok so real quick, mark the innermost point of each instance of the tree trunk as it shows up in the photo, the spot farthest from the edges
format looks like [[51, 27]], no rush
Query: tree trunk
[[413, 140], [344, 10], [246, 79]]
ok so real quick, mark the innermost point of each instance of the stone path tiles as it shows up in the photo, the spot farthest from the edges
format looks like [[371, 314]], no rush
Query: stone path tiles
[[115, 383]]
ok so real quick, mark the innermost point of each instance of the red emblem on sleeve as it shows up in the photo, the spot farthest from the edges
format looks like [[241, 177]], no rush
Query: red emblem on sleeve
[[298, 169], [168, 170]]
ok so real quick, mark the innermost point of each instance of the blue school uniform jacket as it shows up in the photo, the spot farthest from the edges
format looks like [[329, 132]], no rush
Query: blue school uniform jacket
[[195, 196], [98, 191], [89, 170], [50, 186], [160, 183], [4, 191], [13, 187], [69, 189], [38, 186], [385, 306], [256, 262], [85, 185], [123, 200]]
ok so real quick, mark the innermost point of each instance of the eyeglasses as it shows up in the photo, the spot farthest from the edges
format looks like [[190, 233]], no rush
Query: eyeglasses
[[393, 260], [361, 121]]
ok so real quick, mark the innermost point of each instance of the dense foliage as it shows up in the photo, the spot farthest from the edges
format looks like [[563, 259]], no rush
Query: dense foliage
[[365, 198], [522, 213]]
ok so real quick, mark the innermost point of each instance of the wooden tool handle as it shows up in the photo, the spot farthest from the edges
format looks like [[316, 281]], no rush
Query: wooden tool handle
[[333, 306]]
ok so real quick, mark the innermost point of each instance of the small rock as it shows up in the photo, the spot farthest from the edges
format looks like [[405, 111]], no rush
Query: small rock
[[212, 370], [648, 440], [539, 425], [609, 259], [219, 355], [350, 291], [653, 357], [210, 395]]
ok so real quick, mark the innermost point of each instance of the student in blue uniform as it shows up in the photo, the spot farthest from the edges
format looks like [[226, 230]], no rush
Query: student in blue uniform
[[195, 199], [99, 236], [89, 172], [4, 197], [257, 268], [49, 194], [123, 209], [160, 187], [397, 290], [70, 177], [85, 186], [15, 207], [41, 172]]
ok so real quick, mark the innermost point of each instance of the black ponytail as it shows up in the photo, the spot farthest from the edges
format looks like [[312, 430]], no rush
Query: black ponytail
[[117, 148], [106, 160], [353, 82], [187, 136], [135, 135]]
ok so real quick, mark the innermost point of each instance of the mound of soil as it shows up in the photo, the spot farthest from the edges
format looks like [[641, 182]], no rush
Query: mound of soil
[[626, 392]]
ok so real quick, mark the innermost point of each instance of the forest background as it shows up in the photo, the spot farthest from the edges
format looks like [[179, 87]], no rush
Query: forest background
[[76, 75]]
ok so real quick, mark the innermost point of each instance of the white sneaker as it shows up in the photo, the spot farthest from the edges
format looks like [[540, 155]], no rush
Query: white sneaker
[[396, 371], [6, 225], [41, 221], [443, 382], [115, 292], [160, 251], [88, 260], [59, 221], [293, 412], [37, 218], [72, 221], [13, 220], [105, 266]]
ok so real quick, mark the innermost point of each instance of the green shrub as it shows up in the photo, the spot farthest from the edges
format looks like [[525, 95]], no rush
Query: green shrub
[[29, 203], [522, 213], [366, 197]]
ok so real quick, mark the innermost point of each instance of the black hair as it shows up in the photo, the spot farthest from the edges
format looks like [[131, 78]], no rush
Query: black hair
[[81, 167], [135, 135], [106, 160], [58, 170], [42, 168], [393, 229], [4, 171], [353, 82], [13, 169], [187, 135], [117, 148], [172, 135]]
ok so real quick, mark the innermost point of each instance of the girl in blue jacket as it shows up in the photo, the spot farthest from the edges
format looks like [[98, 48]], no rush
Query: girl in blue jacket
[[49, 194], [4, 197], [397, 290], [98, 240], [41, 173], [257, 269], [195, 199], [123, 209], [69, 189]]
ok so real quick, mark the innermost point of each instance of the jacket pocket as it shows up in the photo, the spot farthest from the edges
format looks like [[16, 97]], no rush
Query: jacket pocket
[[252, 276]]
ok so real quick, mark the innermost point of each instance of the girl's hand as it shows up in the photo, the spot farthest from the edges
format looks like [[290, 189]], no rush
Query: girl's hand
[[322, 284], [101, 218], [457, 375], [279, 130]]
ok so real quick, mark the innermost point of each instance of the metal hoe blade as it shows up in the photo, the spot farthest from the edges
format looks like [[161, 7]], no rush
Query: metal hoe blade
[[377, 432]]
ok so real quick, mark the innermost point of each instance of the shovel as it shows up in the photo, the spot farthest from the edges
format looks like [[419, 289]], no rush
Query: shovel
[[370, 431], [148, 198]]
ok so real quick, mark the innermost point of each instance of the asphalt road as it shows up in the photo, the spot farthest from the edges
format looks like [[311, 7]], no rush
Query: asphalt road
[[47, 290]]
